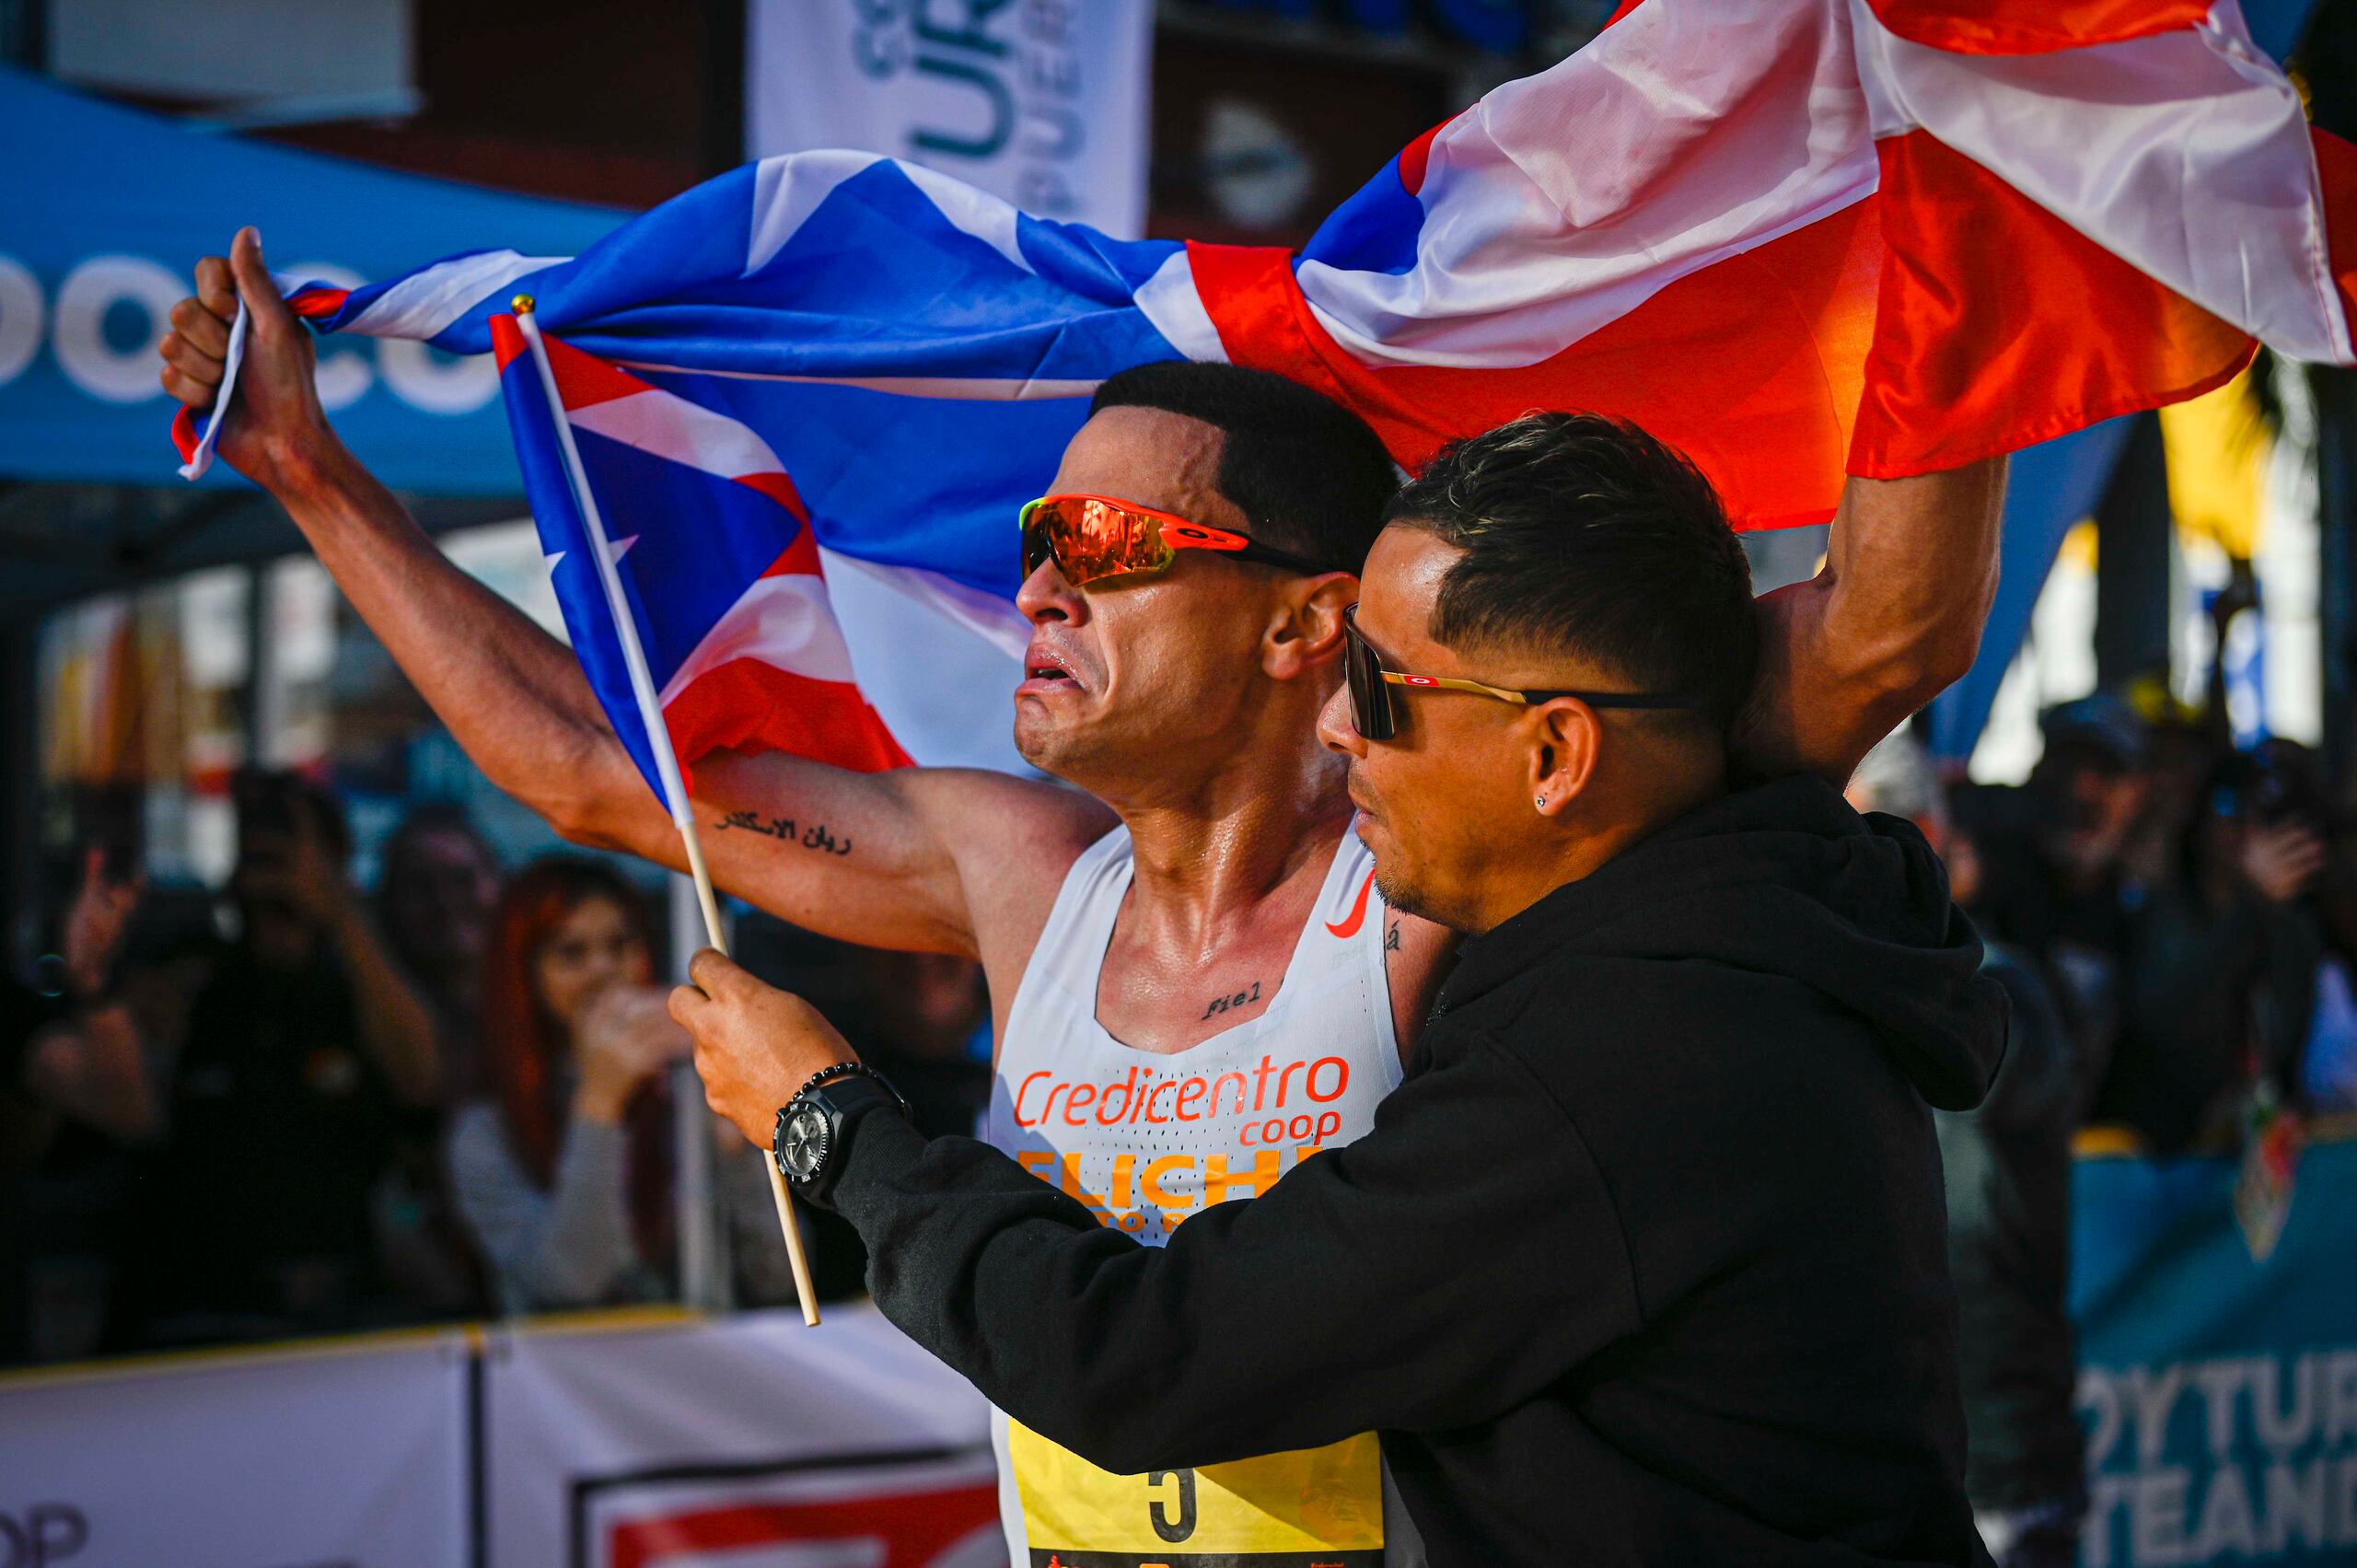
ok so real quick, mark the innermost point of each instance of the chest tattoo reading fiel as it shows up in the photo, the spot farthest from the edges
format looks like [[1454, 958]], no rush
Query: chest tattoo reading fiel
[[1241, 999], [785, 830]]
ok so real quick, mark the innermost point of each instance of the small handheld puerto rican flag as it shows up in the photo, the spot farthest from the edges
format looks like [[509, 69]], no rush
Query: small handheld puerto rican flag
[[611, 633]]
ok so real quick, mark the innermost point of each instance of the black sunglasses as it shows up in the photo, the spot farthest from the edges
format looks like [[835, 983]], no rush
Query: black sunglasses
[[1374, 690]]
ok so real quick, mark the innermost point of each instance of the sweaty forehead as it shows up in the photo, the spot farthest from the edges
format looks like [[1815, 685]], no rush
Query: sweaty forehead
[[1397, 590], [1152, 457]]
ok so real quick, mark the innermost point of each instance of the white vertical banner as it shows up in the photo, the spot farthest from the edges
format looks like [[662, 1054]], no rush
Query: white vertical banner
[[1041, 102], [351, 1453]]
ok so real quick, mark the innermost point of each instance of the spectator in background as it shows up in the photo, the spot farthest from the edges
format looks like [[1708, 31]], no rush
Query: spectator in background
[[434, 893], [562, 1168], [2328, 1054], [2219, 978], [75, 1049], [302, 1051], [2006, 1166], [75, 1097], [2055, 881], [434, 899]]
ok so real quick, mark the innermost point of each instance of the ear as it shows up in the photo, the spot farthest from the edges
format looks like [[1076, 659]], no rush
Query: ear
[[1567, 742], [1305, 629]]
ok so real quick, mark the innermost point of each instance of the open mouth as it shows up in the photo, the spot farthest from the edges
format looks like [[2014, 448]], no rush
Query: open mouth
[[1044, 672]]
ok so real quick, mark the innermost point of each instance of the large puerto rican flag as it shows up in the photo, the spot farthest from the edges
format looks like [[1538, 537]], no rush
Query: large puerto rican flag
[[1798, 239]]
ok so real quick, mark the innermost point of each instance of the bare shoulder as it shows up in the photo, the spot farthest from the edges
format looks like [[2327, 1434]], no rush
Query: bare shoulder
[[1012, 840], [938, 860], [1417, 956]]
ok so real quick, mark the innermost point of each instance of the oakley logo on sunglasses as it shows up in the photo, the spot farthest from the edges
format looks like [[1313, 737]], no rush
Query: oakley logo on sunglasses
[[1375, 713], [1217, 539], [1092, 537]]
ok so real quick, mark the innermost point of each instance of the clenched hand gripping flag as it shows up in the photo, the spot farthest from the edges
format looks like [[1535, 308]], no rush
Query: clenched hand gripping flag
[[1795, 237]]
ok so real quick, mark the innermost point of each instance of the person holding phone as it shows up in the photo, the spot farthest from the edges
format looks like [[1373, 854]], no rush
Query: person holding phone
[[306, 1049]]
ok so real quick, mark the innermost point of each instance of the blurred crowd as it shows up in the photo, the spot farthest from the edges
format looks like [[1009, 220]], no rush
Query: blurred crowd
[[2179, 913], [2174, 921], [298, 1106]]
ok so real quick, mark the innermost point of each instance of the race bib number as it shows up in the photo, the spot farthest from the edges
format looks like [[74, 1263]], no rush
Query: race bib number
[[1312, 1508]]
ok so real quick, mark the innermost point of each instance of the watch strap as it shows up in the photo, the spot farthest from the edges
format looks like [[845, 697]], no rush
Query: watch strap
[[834, 1070], [839, 1095]]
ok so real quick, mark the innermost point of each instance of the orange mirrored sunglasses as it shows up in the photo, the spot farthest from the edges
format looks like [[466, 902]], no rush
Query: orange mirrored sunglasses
[[1093, 538]]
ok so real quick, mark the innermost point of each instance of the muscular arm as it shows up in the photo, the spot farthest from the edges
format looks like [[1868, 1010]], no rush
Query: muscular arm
[[514, 698], [1894, 616], [926, 847]]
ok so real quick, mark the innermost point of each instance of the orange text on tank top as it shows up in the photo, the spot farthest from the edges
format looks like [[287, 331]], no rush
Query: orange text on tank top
[[1145, 1141]]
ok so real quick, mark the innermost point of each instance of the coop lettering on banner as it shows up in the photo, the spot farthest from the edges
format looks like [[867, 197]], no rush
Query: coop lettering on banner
[[2218, 1390], [1041, 102], [100, 233]]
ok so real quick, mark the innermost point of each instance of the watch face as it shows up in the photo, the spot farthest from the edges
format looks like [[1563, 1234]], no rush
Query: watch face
[[802, 1142]]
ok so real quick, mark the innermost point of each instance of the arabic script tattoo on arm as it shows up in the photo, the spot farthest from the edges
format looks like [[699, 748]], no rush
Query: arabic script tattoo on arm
[[814, 835]]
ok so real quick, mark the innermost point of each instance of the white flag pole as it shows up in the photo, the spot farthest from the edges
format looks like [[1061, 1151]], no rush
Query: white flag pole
[[658, 736]]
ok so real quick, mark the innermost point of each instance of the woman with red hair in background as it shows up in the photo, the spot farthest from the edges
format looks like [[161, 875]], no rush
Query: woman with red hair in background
[[561, 1168]]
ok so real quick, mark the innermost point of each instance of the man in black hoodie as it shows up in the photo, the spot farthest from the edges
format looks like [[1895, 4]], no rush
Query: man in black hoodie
[[1644, 1263]]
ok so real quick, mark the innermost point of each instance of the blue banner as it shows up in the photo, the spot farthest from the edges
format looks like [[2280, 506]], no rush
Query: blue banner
[[2219, 1389], [103, 210]]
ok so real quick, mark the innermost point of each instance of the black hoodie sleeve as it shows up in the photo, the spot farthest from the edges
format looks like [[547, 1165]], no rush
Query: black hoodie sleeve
[[1433, 1273]]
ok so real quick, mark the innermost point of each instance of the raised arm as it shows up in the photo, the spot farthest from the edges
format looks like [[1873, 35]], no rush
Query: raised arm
[[515, 700], [1891, 620]]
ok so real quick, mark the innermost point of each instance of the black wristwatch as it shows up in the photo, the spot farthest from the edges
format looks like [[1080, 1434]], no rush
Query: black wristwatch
[[809, 1142]]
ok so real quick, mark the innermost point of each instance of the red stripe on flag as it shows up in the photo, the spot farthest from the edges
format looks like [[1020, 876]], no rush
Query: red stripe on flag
[[801, 558], [747, 705], [1417, 155], [1749, 367], [506, 340], [313, 303], [2000, 326], [2337, 173], [2032, 27], [779, 488], [185, 435], [584, 380]]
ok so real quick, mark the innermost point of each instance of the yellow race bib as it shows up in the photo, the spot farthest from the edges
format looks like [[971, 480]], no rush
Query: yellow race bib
[[1311, 1508]]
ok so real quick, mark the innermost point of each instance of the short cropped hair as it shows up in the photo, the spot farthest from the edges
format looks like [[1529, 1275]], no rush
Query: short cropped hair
[[1309, 476], [1584, 536]]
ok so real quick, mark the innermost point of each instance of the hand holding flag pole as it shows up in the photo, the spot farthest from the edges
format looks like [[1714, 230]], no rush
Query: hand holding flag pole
[[658, 736]]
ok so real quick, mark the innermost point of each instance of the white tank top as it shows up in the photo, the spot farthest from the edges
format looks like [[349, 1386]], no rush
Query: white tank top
[[1147, 1140]]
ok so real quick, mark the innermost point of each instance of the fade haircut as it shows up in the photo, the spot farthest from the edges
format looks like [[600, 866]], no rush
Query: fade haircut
[[1584, 536], [1309, 476]]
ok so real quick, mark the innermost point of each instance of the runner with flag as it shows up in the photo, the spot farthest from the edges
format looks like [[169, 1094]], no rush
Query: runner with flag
[[1194, 983], [817, 392]]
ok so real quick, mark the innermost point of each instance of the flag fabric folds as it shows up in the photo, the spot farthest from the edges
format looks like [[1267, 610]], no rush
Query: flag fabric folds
[[1798, 239]]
